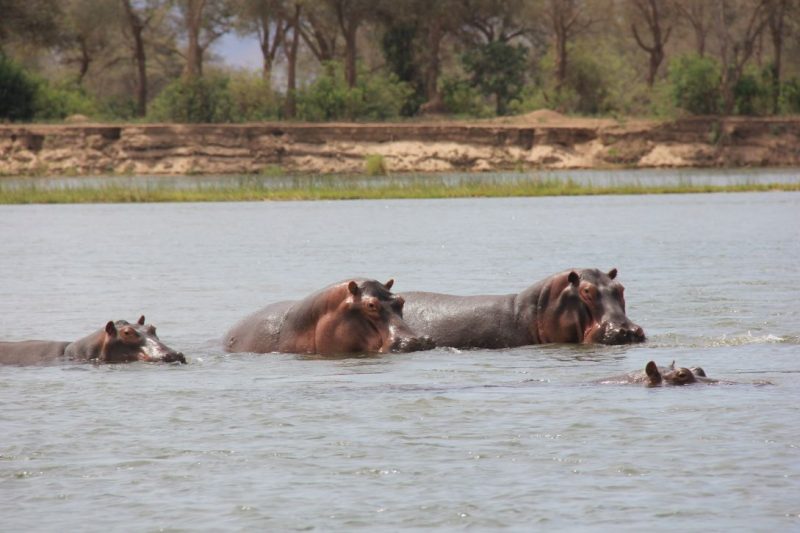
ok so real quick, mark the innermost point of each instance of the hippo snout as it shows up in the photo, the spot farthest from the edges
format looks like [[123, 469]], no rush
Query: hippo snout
[[174, 357], [627, 334], [413, 344]]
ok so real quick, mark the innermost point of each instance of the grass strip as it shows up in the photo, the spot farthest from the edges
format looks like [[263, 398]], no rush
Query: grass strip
[[341, 190]]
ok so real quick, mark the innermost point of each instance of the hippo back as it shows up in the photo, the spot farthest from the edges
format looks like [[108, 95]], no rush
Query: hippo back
[[31, 352]]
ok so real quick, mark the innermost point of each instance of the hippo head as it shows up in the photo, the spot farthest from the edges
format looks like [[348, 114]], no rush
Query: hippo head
[[587, 307], [125, 342], [373, 303], [674, 376]]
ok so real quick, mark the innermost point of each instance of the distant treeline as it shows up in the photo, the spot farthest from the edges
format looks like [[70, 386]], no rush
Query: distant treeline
[[386, 59]]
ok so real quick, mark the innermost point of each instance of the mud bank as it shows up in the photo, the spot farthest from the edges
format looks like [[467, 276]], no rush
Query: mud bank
[[533, 141]]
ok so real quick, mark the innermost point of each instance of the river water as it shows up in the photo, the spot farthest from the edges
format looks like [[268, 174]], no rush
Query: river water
[[518, 439]]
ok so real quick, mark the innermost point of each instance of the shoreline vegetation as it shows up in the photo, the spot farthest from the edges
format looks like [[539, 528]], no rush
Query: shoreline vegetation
[[338, 188]]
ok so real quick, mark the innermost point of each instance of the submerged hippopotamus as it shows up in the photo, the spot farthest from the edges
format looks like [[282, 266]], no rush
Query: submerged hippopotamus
[[118, 342], [575, 306], [351, 317], [655, 376]]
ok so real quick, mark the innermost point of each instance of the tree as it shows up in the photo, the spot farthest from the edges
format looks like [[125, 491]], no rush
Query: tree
[[776, 17], [204, 21], [291, 48], [654, 14], [138, 16], [567, 19], [740, 25], [268, 20], [498, 69], [35, 21], [697, 13], [349, 15]]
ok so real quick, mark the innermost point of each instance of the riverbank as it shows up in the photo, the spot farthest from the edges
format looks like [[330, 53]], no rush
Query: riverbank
[[539, 140], [339, 189]]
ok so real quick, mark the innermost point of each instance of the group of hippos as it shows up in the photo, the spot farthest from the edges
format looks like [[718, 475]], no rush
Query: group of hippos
[[360, 316]]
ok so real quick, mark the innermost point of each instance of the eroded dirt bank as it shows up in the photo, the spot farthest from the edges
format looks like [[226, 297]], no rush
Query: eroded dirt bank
[[538, 140]]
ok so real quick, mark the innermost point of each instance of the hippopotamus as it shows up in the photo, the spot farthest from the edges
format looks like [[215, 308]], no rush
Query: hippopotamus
[[655, 376], [118, 342], [574, 306], [351, 317]]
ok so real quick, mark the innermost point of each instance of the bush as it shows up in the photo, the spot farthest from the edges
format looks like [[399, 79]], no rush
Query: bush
[[252, 98], [790, 96], [461, 98], [200, 100], [60, 100], [376, 96], [497, 69], [17, 91], [695, 84]]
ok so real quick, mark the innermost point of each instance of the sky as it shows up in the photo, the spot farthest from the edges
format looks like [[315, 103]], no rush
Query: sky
[[239, 52]]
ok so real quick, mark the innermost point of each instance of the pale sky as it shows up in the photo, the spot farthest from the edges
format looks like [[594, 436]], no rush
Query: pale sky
[[240, 52]]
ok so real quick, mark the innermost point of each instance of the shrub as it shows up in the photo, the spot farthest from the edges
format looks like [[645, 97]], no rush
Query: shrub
[[497, 69], [17, 91], [252, 98], [376, 96], [375, 165], [203, 100], [60, 100], [790, 96], [695, 84], [461, 98]]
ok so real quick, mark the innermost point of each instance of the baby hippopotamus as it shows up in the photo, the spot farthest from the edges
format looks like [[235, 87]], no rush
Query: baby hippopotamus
[[655, 376]]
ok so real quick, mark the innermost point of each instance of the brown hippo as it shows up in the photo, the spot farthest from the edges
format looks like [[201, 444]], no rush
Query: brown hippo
[[118, 342], [575, 306], [350, 317], [655, 376]]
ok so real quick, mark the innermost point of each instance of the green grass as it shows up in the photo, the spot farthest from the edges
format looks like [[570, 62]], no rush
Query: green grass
[[341, 189]]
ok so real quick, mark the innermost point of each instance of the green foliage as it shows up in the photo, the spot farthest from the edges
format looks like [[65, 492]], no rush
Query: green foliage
[[375, 165], [587, 84], [17, 91], [461, 98], [497, 69], [695, 84], [790, 96], [60, 100], [252, 98], [376, 96], [753, 92], [199, 100]]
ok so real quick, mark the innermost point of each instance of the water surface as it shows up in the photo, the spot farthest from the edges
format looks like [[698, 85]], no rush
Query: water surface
[[516, 439]]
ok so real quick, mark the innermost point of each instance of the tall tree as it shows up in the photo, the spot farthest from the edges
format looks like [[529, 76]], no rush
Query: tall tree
[[291, 48], [204, 21], [698, 14], [268, 20], [319, 31], [349, 15], [138, 16], [740, 24], [35, 21], [655, 14], [567, 18], [776, 21]]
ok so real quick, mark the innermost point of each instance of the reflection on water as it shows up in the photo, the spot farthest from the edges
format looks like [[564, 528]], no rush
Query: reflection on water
[[445, 439], [643, 177]]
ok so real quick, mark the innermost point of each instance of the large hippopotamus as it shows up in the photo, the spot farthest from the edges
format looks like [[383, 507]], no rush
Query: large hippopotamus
[[350, 317], [656, 376], [575, 306], [118, 342]]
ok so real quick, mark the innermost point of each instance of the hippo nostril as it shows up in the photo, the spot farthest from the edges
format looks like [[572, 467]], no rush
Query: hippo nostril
[[175, 358]]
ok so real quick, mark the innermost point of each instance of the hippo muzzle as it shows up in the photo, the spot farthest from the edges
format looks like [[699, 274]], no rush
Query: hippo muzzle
[[629, 333], [412, 344]]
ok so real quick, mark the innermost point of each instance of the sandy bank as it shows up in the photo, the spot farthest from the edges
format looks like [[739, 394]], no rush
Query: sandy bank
[[542, 139]]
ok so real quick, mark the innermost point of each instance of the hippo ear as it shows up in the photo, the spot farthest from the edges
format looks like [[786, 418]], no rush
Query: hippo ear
[[389, 284], [652, 372], [141, 320], [698, 371], [111, 329], [612, 273], [574, 278], [353, 288]]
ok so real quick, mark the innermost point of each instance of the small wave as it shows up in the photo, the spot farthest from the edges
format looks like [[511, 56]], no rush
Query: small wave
[[671, 340]]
